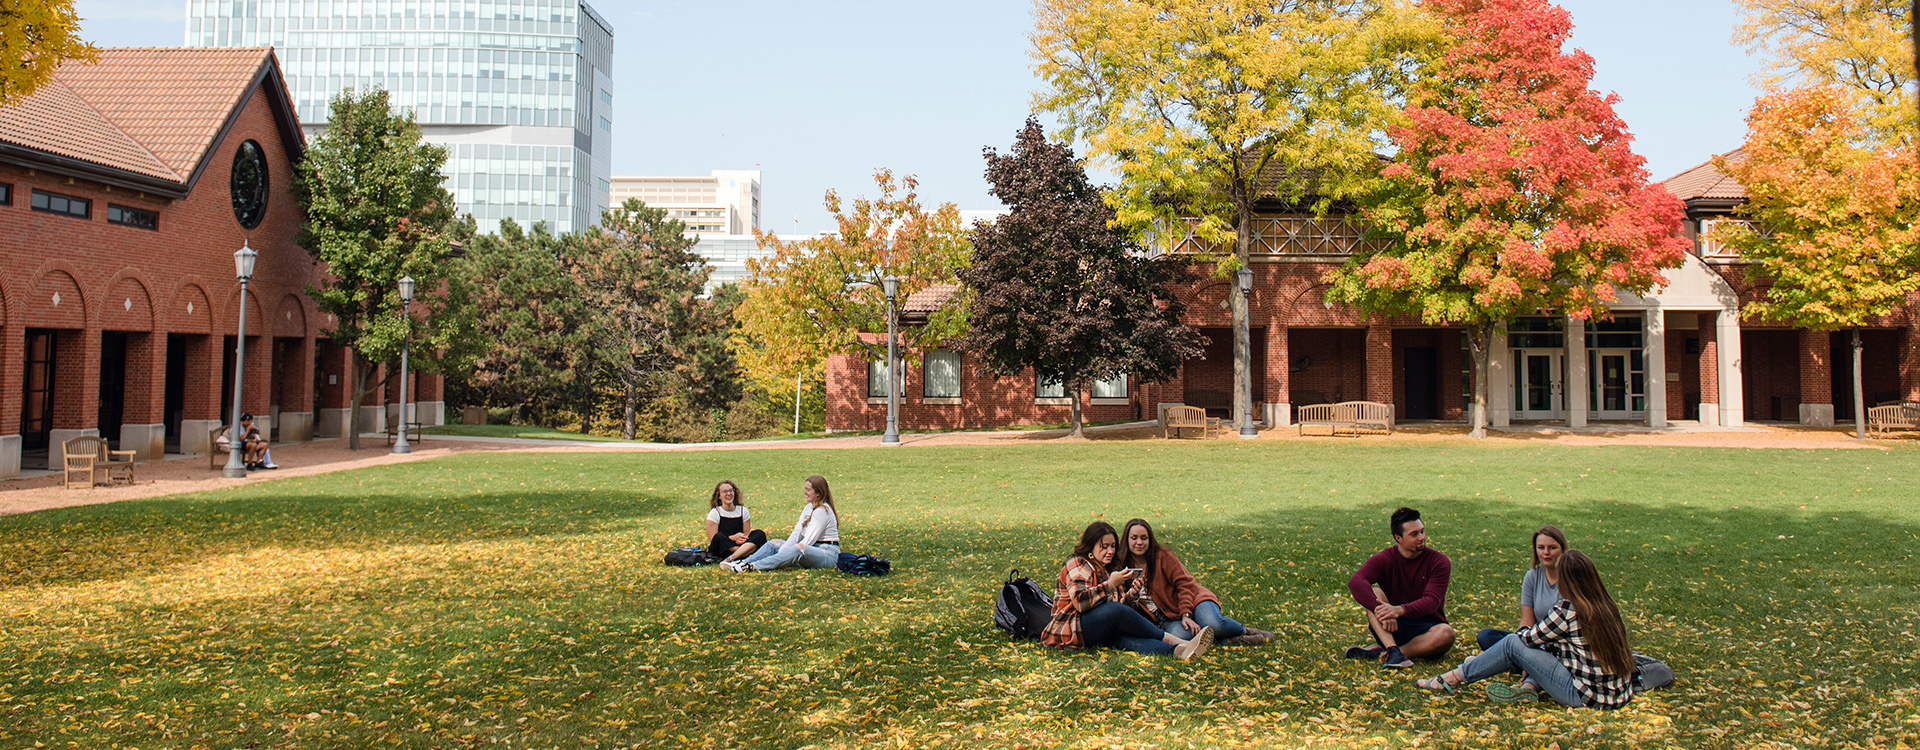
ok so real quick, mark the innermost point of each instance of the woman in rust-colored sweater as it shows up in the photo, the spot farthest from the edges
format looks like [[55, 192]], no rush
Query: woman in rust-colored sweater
[[1173, 599]]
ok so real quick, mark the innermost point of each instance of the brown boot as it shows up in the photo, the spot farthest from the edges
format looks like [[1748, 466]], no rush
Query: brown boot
[[1253, 637]]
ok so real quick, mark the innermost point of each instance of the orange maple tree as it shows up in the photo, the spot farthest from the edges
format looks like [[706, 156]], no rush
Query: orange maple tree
[[1515, 189], [1836, 213]]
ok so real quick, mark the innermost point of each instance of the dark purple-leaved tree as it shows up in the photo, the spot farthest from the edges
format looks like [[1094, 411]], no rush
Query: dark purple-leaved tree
[[1058, 291]]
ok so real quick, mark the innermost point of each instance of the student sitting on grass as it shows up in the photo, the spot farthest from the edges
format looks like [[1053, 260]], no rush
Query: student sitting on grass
[[1090, 604], [814, 543], [1539, 591], [1410, 620], [1578, 653], [730, 525], [1173, 599]]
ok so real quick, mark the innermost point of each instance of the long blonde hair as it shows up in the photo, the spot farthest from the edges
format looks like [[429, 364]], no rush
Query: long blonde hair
[[1599, 618]]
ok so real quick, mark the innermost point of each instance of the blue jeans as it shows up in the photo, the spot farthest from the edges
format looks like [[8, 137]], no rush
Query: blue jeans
[[1542, 668], [777, 554], [1116, 624], [1206, 615]]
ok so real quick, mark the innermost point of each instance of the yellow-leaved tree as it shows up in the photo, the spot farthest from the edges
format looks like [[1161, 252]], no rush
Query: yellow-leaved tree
[[36, 36], [1209, 107], [1863, 46], [815, 297]]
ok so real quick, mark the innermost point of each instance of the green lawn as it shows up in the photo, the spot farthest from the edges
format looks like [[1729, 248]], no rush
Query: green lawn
[[482, 599]]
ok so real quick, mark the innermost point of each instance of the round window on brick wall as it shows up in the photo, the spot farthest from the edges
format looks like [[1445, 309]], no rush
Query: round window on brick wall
[[248, 184]]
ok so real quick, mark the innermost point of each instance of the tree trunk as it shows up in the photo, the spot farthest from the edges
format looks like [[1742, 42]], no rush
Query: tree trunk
[[1242, 346], [1073, 394], [1480, 341], [513, 417], [354, 395], [586, 397], [633, 400], [1859, 396]]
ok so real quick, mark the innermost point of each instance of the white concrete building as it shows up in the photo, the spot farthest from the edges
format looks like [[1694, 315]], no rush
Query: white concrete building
[[726, 202]]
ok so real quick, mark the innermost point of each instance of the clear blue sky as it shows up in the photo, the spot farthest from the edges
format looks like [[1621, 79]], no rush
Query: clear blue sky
[[818, 94]]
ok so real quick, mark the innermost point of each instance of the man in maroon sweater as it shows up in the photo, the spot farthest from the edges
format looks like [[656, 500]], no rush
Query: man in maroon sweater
[[1412, 621]]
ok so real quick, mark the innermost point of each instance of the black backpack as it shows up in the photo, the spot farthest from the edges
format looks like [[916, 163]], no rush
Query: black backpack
[[690, 556], [1022, 609], [864, 565], [1650, 673]]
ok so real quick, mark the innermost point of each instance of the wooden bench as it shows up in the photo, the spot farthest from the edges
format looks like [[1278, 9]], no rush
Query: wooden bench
[[86, 454], [1898, 415], [1352, 416], [415, 432], [1182, 418]]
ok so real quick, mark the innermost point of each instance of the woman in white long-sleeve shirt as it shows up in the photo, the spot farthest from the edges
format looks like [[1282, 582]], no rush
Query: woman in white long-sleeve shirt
[[814, 543]]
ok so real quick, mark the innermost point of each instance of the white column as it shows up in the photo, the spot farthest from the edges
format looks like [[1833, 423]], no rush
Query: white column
[[1733, 396], [1656, 368], [1499, 383], [1576, 373]]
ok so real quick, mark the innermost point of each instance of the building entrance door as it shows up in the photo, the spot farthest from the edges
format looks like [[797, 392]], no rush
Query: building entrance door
[[1422, 379], [1539, 384], [1619, 384], [36, 409]]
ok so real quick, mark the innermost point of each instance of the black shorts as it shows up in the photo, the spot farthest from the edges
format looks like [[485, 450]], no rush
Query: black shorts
[[1409, 629]]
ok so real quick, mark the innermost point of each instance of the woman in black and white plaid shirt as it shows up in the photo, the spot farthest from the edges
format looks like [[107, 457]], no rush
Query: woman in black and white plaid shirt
[[1577, 654]]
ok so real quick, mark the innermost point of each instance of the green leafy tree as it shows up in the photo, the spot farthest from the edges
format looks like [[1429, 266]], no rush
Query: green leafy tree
[[1059, 291], [813, 298], [1515, 189], [1209, 107], [36, 38], [1839, 215], [642, 284], [376, 211], [529, 317]]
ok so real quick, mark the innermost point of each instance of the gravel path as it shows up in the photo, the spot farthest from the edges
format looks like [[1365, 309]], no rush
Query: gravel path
[[190, 474]]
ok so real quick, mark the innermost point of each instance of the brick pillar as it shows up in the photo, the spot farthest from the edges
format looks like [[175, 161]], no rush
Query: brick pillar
[[76, 385], [431, 398], [1816, 378], [201, 409], [1278, 387], [1379, 357], [143, 429], [1709, 369], [258, 382], [13, 351], [1909, 361]]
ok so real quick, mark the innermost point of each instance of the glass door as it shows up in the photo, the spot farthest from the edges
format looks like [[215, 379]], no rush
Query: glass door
[[1619, 384], [1537, 391]]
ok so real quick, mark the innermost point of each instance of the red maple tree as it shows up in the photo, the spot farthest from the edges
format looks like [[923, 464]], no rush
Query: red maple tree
[[1515, 190]]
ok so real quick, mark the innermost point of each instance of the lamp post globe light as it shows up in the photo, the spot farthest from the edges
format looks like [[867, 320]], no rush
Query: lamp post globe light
[[892, 437], [406, 317], [1247, 429], [243, 269]]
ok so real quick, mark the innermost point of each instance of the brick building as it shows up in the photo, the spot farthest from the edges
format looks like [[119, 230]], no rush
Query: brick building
[[1680, 353], [126, 186]]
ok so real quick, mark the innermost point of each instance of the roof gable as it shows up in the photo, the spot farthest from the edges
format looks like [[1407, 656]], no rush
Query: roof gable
[[151, 112], [1706, 181]]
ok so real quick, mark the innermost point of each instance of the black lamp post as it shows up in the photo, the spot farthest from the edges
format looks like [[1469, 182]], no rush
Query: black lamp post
[[406, 315], [1247, 430], [243, 268], [892, 437]]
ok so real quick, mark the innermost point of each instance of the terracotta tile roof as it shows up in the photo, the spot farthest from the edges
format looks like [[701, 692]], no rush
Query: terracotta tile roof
[[929, 299], [56, 120], [1705, 181], [150, 111]]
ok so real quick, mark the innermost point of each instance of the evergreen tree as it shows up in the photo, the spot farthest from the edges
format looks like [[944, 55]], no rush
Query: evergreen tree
[[1057, 290]]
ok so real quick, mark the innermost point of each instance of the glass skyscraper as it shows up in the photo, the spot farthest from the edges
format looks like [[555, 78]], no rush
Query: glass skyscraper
[[520, 92]]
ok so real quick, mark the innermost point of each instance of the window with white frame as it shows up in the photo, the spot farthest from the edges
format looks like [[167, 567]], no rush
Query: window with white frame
[[1112, 388], [942, 369], [877, 379], [1049, 389]]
